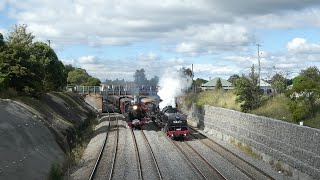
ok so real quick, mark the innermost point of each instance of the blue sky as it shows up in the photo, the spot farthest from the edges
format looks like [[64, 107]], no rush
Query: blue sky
[[111, 39]]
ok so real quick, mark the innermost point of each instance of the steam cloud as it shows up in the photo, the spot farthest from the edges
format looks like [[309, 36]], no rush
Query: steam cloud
[[172, 84]]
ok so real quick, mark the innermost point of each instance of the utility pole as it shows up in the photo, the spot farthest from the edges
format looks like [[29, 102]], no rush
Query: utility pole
[[192, 71], [259, 67], [49, 41]]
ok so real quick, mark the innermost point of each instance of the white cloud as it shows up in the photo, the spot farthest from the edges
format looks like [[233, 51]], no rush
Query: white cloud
[[301, 46], [147, 57], [116, 68], [177, 61], [2, 4], [3, 31], [213, 38], [88, 60], [213, 25]]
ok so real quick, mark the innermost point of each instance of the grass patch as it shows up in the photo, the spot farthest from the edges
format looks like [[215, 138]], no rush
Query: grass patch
[[313, 122], [217, 98], [279, 167], [275, 107], [9, 93], [245, 149], [56, 172], [84, 135]]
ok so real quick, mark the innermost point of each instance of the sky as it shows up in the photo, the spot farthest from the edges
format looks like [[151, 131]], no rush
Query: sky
[[113, 38]]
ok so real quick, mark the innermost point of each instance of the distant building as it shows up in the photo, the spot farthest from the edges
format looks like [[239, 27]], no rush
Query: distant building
[[265, 87], [211, 84]]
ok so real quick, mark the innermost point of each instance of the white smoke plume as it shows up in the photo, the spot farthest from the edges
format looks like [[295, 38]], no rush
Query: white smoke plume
[[173, 83]]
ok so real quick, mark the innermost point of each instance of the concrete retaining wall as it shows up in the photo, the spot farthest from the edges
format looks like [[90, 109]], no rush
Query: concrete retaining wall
[[294, 145]]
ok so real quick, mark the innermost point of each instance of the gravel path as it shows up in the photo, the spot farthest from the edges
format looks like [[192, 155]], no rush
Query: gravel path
[[149, 169], [171, 162], [126, 162]]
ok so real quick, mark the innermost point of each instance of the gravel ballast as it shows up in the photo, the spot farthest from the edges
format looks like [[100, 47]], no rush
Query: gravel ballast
[[171, 162], [126, 162], [149, 169]]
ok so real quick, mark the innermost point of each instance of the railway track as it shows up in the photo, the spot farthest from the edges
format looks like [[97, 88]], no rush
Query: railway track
[[104, 168], [137, 154], [148, 164], [197, 161], [244, 166]]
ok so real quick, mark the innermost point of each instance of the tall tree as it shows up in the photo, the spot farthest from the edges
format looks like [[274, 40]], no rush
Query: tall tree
[[187, 71], [278, 83], [154, 81], [218, 84], [305, 93], [18, 63], [92, 82], [140, 77], [233, 79], [78, 76], [54, 75], [248, 91], [198, 82], [1, 40], [20, 37], [68, 68]]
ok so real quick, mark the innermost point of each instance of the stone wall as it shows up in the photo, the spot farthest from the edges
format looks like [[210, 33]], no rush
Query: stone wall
[[294, 145]]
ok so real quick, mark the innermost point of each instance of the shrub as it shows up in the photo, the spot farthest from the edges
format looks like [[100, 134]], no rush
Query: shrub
[[56, 172], [299, 109]]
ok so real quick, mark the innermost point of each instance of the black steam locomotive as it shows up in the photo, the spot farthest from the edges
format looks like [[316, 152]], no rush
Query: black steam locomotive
[[174, 123], [136, 116]]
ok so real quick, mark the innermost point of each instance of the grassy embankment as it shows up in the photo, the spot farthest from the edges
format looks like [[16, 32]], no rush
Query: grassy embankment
[[82, 134], [276, 107]]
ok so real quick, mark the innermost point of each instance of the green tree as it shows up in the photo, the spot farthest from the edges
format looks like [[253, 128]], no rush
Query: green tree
[[54, 75], [198, 82], [248, 91], [1, 40], [218, 84], [187, 71], [20, 37], [78, 76], [140, 77], [233, 79], [92, 82], [154, 81], [278, 83], [305, 93], [68, 68]]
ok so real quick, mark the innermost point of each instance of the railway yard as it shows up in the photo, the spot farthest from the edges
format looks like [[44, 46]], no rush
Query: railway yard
[[148, 153]]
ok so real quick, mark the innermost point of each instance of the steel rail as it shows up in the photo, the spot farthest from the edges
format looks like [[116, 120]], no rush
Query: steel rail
[[94, 170], [233, 154], [186, 156], [137, 154], [115, 149], [152, 154], [204, 159]]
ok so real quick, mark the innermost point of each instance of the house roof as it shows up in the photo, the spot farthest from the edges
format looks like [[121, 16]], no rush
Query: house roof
[[213, 82], [264, 84]]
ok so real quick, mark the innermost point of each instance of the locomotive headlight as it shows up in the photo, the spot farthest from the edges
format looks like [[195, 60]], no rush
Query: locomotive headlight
[[135, 107]]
